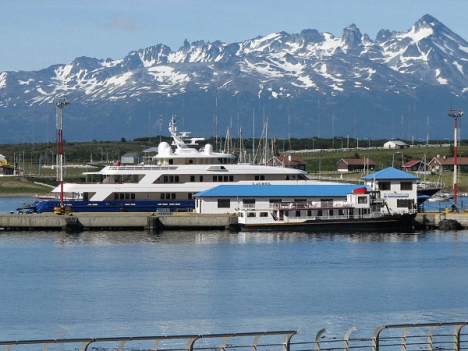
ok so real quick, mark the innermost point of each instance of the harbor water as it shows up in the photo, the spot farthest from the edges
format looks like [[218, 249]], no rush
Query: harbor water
[[100, 284]]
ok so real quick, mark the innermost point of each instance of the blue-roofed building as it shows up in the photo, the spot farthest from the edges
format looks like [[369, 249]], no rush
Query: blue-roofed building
[[398, 189], [228, 198]]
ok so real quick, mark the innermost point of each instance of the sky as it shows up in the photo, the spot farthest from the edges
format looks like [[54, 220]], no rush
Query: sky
[[36, 34]]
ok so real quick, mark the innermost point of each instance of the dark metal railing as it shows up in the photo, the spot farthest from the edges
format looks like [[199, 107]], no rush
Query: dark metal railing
[[398, 337]]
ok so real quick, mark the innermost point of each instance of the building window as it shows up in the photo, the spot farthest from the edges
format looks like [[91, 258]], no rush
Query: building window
[[263, 214], [406, 186], [224, 203], [384, 185], [248, 203]]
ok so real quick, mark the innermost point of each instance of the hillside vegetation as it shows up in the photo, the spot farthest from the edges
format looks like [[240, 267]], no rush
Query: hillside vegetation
[[321, 156]]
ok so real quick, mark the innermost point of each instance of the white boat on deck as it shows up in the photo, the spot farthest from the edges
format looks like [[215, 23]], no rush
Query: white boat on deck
[[168, 184]]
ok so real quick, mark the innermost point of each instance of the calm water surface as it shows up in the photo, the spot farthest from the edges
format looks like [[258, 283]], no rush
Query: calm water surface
[[96, 284]]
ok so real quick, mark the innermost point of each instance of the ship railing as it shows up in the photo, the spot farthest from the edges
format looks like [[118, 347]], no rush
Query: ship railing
[[141, 168], [398, 337]]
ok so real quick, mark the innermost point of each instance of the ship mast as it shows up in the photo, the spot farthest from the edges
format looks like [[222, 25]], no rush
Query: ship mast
[[59, 136]]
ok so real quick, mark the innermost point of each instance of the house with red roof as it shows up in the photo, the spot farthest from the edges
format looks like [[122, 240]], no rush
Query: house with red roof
[[355, 164], [439, 164], [288, 161], [415, 166]]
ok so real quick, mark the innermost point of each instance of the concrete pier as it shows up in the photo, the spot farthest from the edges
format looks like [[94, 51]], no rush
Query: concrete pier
[[434, 219], [158, 222], [115, 221]]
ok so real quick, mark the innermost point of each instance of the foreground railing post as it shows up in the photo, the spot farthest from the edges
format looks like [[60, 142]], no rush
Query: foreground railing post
[[456, 337], [346, 338], [287, 341], [317, 339], [375, 337]]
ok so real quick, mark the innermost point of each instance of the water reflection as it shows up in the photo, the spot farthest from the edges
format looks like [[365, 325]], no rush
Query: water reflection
[[218, 237]]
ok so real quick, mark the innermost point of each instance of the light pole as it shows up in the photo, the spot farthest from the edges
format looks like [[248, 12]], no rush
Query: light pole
[[455, 114], [340, 138], [59, 105], [393, 158]]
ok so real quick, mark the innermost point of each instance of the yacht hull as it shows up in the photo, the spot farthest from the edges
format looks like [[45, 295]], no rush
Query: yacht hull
[[48, 206]]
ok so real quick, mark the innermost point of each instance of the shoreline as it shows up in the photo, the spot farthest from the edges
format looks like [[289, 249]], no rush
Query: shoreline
[[17, 195]]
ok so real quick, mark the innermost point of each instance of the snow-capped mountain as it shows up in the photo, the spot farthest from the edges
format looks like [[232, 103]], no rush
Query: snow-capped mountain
[[307, 84]]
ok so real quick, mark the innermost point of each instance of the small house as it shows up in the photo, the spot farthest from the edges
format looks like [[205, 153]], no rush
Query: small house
[[439, 164], [288, 161], [355, 164], [415, 166], [396, 144]]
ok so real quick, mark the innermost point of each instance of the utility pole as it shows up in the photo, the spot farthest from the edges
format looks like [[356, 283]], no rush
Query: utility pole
[[455, 114], [59, 136]]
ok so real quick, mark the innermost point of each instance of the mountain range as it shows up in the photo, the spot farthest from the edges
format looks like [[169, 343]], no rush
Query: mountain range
[[305, 85]]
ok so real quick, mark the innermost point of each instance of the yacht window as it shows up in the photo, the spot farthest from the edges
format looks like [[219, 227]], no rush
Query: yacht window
[[215, 178], [171, 161], [362, 200], [251, 214], [231, 178], [192, 178], [226, 178], [298, 213], [173, 196], [201, 178], [330, 213], [263, 214], [190, 162]]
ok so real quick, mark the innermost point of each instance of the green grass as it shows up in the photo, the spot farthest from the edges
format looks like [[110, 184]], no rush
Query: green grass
[[21, 186]]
